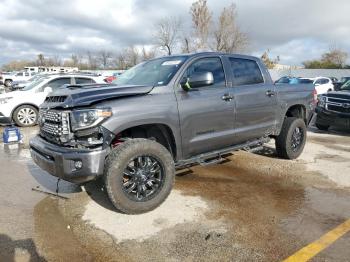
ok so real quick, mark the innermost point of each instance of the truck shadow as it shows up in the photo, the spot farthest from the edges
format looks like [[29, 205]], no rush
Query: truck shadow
[[97, 192], [8, 248]]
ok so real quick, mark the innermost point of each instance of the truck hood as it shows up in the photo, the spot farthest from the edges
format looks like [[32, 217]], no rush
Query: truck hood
[[86, 95], [343, 93]]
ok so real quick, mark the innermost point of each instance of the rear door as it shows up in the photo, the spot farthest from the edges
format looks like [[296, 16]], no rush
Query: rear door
[[255, 100], [206, 116]]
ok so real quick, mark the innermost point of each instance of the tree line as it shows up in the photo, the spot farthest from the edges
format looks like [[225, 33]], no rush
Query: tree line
[[169, 36]]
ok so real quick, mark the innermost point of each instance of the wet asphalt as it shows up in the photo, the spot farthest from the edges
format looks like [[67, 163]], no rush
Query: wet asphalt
[[252, 207]]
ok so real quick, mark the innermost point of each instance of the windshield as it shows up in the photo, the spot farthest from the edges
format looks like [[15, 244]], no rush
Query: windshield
[[346, 86], [344, 79], [34, 84], [154, 72]]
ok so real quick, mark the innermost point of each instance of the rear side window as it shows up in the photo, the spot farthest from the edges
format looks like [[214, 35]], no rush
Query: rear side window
[[211, 64], [325, 81], [83, 80], [54, 84], [245, 72]]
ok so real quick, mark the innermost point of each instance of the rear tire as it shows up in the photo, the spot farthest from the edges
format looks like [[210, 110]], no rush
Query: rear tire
[[25, 116], [291, 141], [8, 83], [133, 185]]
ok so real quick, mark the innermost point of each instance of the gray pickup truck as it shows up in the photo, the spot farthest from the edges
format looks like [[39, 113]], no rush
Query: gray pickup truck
[[166, 114]]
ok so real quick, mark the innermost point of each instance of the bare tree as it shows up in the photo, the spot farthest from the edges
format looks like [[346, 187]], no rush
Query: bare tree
[[132, 56], [41, 60], [104, 57], [147, 54], [167, 33], [92, 60], [120, 60], [335, 56], [201, 18], [227, 35], [269, 63], [76, 59]]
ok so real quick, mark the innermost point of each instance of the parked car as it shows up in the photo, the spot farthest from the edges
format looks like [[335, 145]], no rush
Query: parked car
[[22, 106], [167, 113], [283, 80], [17, 85], [322, 84], [19, 76], [333, 108], [334, 79], [114, 76], [342, 81], [293, 80]]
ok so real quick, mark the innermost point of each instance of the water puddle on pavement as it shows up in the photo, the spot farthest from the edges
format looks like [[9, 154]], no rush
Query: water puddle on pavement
[[250, 208]]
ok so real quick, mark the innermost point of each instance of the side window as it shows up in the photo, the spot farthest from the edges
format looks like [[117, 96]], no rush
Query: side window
[[325, 81], [213, 65], [245, 72], [318, 81], [26, 74], [56, 83], [83, 80], [19, 74]]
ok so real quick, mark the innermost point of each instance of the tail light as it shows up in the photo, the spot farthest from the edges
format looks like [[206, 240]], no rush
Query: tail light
[[315, 96]]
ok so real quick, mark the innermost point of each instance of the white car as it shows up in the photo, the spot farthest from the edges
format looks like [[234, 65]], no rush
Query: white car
[[322, 84], [21, 84], [20, 76], [22, 106]]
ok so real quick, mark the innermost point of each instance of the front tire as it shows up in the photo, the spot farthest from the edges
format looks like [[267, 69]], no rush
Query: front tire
[[139, 175], [8, 83], [291, 141], [25, 116]]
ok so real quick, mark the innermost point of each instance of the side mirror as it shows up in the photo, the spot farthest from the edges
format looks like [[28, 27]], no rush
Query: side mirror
[[199, 79], [47, 89]]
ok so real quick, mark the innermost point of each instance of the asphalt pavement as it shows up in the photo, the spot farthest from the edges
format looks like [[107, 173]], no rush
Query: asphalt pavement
[[252, 207]]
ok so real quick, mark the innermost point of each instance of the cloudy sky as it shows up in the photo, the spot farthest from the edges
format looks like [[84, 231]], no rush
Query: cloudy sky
[[296, 30]]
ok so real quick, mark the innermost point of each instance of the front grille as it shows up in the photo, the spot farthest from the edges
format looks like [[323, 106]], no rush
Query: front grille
[[55, 99], [54, 125], [338, 103], [338, 109]]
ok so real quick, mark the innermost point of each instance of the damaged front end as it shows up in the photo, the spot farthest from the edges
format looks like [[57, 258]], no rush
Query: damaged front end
[[77, 128]]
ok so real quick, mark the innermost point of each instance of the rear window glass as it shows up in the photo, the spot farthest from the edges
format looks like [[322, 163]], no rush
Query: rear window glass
[[245, 72]]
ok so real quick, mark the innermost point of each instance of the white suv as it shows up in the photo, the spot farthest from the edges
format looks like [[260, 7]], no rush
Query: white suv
[[22, 106], [20, 76], [322, 84]]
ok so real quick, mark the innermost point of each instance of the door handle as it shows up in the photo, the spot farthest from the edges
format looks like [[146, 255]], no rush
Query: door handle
[[227, 97], [270, 93]]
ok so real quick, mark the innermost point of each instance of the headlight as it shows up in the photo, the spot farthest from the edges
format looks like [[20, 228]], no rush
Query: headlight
[[322, 101], [86, 118], [4, 100]]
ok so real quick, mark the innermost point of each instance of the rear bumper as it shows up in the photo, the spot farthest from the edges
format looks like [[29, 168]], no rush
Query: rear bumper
[[60, 161], [328, 118]]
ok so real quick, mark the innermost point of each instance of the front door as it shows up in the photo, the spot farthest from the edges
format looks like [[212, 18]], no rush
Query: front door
[[206, 112]]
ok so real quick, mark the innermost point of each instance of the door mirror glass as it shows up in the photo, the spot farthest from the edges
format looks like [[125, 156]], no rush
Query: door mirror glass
[[47, 89], [198, 79]]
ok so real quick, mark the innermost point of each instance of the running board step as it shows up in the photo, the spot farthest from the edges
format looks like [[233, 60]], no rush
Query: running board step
[[205, 162], [217, 154]]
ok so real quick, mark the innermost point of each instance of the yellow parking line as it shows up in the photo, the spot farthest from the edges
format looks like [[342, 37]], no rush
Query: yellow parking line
[[323, 242]]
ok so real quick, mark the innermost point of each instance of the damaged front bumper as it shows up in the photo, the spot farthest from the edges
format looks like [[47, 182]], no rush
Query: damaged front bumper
[[70, 164]]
